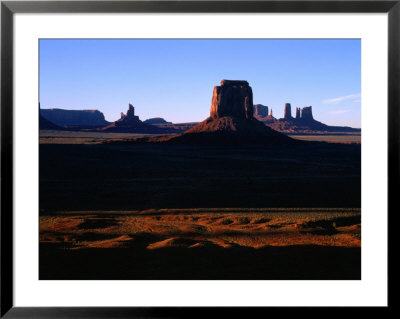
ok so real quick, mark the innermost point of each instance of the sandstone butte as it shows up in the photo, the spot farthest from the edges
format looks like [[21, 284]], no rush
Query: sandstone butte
[[231, 121]]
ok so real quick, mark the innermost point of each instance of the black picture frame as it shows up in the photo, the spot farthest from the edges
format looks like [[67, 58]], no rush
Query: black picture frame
[[9, 8]]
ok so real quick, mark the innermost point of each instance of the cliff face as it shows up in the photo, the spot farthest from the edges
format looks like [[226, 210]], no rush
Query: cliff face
[[67, 118], [232, 98]]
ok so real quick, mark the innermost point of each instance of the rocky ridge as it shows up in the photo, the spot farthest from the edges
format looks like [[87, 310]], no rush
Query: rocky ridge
[[303, 122], [130, 123], [74, 118]]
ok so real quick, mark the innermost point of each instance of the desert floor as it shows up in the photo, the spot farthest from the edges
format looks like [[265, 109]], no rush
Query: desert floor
[[80, 137], [179, 212], [201, 244], [343, 138]]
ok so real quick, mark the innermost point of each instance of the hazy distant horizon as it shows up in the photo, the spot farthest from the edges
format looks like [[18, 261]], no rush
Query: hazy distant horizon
[[174, 79]]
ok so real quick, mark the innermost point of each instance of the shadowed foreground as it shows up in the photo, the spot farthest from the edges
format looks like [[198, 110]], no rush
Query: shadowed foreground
[[274, 263], [129, 177], [161, 212]]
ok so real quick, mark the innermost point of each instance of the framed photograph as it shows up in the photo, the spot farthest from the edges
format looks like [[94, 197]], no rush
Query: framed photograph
[[172, 158]]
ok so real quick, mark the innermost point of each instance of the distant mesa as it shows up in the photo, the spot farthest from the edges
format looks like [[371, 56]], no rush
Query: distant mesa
[[231, 121], [156, 120], [260, 111], [130, 123], [75, 118], [45, 124], [303, 122]]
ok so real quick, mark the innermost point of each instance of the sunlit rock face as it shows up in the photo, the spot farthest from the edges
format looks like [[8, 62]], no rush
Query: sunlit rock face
[[232, 98]]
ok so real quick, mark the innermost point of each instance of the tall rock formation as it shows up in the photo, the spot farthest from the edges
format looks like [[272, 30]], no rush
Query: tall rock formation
[[287, 111], [306, 113], [131, 112], [127, 123], [297, 113], [232, 98], [130, 119], [231, 121]]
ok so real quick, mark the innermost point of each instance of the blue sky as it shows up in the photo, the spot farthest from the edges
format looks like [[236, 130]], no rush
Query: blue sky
[[174, 79]]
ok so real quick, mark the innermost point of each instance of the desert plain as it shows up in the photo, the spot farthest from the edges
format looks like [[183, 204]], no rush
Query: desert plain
[[155, 211]]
